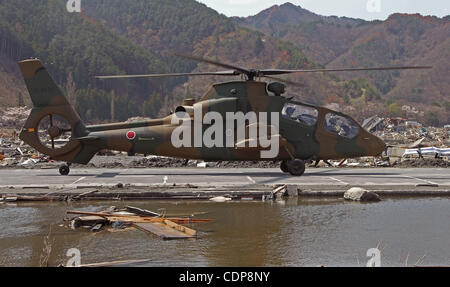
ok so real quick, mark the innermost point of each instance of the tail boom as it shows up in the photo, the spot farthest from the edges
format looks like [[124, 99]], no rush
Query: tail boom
[[48, 99]]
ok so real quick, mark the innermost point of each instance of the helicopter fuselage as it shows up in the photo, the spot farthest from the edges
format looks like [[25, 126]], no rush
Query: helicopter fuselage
[[234, 121], [307, 138]]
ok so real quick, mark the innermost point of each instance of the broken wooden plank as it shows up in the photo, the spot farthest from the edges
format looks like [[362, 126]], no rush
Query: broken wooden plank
[[115, 263], [142, 212], [180, 228], [10, 199], [162, 230], [191, 214], [110, 209], [32, 198], [279, 189], [85, 194], [139, 219]]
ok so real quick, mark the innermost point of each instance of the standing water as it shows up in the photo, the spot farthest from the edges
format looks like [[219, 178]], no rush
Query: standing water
[[298, 232]]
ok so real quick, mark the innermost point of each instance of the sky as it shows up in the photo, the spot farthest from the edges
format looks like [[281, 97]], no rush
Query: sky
[[364, 9]]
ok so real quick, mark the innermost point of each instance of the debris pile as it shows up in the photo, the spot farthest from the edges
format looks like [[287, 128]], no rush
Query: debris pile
[[399, 131], [133, 217], [410, 143], [160, 161], [13, 117], [157, 161], [14, 153]]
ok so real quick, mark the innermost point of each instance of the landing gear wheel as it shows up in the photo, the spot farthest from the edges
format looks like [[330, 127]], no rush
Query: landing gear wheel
[[284, 166], [64, 169], [296, 167]]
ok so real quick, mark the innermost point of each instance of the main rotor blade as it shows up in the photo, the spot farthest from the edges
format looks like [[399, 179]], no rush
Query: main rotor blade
[[215, 63], [282, 72], [220, 73], [289, 82]]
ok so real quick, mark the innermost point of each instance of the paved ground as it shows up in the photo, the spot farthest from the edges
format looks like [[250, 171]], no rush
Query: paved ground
[[214, 177]]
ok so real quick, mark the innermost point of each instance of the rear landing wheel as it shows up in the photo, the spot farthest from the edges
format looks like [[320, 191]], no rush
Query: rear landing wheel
[[296, 167], [64, 169]]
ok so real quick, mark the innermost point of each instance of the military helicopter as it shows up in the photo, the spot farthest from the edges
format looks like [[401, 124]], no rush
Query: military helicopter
[[303, 132]]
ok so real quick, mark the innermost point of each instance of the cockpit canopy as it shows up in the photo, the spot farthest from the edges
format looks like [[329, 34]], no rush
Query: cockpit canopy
[[343, 126], [300, 113], [334, 123]]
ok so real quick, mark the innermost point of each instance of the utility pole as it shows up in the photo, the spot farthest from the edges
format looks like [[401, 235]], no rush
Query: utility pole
[[112, 106]]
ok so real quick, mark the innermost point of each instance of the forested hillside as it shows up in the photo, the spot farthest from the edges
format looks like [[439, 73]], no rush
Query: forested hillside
[[75, 49], [134, 37], [165, 26]]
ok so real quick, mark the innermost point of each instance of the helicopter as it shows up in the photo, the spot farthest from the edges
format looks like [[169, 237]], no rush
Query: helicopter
[[265, 125]]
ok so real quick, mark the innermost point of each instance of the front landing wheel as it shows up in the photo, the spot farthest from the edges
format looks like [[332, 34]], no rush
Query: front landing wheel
[[64, 169], [296, 167]]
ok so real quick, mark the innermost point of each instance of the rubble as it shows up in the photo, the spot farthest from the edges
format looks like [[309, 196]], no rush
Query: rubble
[[133, 217], [401, 132], [426, 162], [13, 116], [14, 153], [374, 123]]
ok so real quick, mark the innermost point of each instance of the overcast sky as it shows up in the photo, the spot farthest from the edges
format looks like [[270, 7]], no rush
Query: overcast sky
[[364, 9]]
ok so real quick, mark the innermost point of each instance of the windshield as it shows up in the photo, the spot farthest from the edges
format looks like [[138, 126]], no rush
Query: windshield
[[342, 126], [302, 114]]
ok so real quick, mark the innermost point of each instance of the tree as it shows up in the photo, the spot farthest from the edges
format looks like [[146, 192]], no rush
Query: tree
[[21, 100], [395, 109], [259, 46], [432, 119], [70, 89], [113, 102]]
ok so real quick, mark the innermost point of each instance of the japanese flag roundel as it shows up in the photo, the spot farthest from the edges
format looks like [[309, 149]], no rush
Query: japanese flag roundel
[[131, 135]]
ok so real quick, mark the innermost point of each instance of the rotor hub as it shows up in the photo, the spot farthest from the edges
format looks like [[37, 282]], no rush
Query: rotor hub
[[54, 131]]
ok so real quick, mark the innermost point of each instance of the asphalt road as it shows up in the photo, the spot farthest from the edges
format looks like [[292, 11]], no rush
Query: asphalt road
[[327, 177]]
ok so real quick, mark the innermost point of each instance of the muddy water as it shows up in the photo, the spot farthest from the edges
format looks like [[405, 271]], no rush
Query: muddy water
[[303, 232]]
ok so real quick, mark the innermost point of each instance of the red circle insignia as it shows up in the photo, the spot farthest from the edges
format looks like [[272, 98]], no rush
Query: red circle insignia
[[131, 135]]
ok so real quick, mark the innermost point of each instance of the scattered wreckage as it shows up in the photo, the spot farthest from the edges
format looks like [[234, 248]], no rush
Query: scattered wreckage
[[159, 224], [409, 140]]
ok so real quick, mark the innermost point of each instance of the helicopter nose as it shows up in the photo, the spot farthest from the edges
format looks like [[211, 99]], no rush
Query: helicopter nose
[[378, 146]]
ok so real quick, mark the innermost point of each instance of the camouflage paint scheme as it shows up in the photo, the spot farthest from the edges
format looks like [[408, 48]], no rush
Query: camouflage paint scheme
[[154, 137]]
